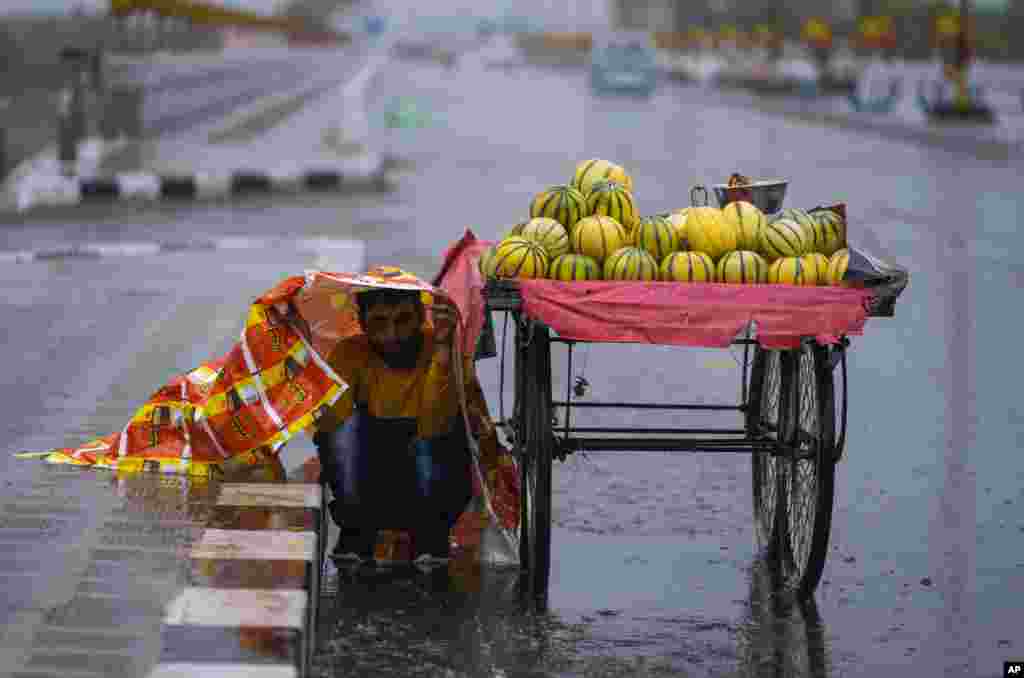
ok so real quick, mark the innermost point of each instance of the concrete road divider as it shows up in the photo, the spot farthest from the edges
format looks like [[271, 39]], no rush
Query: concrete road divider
[[242, 591], [368, 173]]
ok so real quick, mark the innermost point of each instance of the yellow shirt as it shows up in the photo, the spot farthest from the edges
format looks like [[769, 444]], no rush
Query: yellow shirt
[[425, 393]]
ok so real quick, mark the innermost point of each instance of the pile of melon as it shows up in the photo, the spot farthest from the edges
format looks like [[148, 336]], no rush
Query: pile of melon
[[590, 229]]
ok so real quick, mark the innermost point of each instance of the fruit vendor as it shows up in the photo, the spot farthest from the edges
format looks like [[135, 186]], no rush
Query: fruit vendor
[[393, 449]]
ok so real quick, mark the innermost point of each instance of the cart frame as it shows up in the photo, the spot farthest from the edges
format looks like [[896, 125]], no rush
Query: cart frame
[[794, 430]]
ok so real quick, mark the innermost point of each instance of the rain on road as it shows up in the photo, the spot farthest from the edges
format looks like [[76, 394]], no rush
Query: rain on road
[[654, 563]]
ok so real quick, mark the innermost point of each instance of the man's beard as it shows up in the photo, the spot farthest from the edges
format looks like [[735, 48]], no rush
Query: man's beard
[[405, 356]]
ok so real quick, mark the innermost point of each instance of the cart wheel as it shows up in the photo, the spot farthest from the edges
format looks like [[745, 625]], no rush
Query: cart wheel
[[535, 460], [838, 356], [806, 512], [762, 421]]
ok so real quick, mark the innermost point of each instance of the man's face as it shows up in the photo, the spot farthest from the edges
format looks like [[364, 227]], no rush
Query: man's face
[[394, 329]]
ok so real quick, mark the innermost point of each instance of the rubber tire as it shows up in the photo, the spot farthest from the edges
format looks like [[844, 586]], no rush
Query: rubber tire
[[767, 534], [803, 583], [536, 464], [840, 390]]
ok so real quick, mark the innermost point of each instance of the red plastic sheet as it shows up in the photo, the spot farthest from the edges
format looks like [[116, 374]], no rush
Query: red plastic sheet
[[706, 314], [460, 278]]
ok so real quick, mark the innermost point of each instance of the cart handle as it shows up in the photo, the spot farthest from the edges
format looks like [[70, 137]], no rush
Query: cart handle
[[699, 190]]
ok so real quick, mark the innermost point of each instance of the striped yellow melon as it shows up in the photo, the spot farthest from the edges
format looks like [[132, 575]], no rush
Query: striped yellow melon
[[834, 228], [614, 200], [808, 224], [547, 233], [748, 221], [742, 267], [564, 204], [687, 267], [487, 261], [678, 222], [595, 169], [837, 266], [796, 214], [630, 263], [597, 237], [791, 271], [516, 230], [815, 236], [574, 267], [817, 262], [709, 233], [656, 236], [520, 258], [782, 238]]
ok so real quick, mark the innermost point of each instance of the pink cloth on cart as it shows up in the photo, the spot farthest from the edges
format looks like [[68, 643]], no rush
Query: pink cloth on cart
[[706, 314]]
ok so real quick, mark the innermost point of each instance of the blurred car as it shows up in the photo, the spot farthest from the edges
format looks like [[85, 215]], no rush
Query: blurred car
[[486, 27], [624, 61], [375, 25], [514, 23], [425, 50]]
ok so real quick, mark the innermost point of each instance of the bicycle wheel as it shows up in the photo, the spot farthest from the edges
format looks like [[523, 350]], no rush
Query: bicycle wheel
[[762, 421], [810, 470], [535, 457]]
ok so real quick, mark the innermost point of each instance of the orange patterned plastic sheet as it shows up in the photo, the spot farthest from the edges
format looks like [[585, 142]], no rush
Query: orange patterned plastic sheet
[[274, 384]]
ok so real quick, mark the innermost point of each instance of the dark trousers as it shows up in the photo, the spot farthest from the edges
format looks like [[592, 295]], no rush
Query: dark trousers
[[383, 477]]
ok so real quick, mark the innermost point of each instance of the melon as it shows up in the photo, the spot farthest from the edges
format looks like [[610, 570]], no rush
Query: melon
[[656, 236], [783, 238], [748, 221], [595, 169], [709, 233], [486, 262], [687, 267], [791, 271], [520, 258], [612, 199], [818, 263], [569, 267], [678, 222], [563, 203], [837, 266], [597, 237], [742, 267], [547, 233], [630, 263], [834, 228], [813, 236]]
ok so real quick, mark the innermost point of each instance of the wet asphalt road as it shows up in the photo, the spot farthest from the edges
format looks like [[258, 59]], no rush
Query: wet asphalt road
[[654, 556], [180, 95]]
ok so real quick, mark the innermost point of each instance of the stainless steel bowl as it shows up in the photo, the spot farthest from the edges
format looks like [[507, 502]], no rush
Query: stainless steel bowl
[[767, 196]]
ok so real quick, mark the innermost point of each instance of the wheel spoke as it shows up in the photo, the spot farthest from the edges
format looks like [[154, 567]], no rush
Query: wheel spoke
[[767, 465], [770, 391], [803, 488], [802, 508]]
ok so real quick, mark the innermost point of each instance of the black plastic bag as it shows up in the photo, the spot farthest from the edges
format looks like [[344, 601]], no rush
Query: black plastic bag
[[885, 279]]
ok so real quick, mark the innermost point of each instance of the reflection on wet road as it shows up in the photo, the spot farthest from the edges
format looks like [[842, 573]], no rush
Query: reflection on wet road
[[472, 621]]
